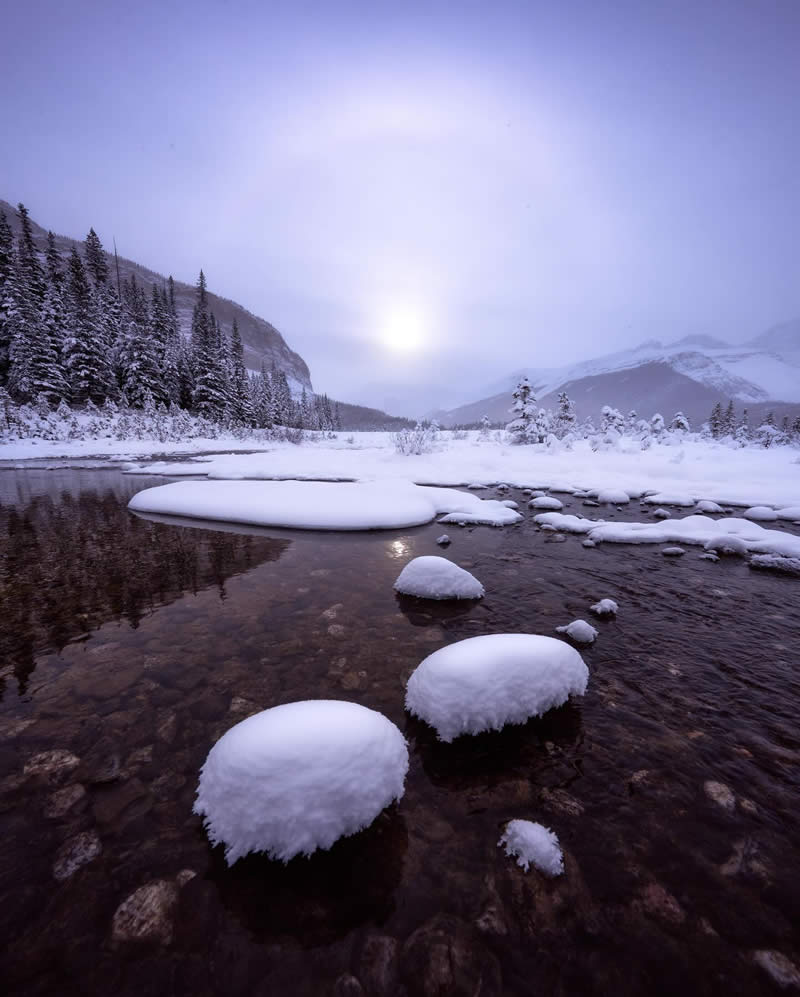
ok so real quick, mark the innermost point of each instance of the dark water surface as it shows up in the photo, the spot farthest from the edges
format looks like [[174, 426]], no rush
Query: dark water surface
[[128, 647]]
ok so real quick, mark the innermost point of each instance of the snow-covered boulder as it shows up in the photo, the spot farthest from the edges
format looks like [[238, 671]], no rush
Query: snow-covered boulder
[[545, 502], [615, 496], [760, 514], [296, 777], [431, 577], [605, 607], [727, 543], [580, 631], [664, 498], [483, 683], [533, 844], [706, 505], [443, 540], [791, 512], [673, 551], [661, 514]]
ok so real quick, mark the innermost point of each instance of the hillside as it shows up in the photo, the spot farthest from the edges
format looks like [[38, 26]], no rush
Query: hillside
[[262, 341], [689, 375]]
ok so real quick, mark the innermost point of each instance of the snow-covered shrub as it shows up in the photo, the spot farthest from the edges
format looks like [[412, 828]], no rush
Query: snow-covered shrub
[[419, 440]]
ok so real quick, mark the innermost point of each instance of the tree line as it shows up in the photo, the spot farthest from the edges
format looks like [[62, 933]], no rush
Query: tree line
[[69, 336]]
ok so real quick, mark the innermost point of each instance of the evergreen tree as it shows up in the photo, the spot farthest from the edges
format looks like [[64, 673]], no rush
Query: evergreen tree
[[96, 262], [39, 373], [86, 353], [715, 421], [209, 396], [55, 275], [337, 418], [31, 272], [729, 421], [565, 417], [680, 423], [523, 428], [240, 395], [305, 420], [7, 270]]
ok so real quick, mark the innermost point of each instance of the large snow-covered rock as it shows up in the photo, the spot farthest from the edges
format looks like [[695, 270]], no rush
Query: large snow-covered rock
[[318, 505], [295, 778], [615, 496], [431, 577], [483, 683], [533, 844], [760, 513]]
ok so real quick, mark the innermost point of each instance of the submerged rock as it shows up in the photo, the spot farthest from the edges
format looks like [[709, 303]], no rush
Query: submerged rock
[[720, 794], [147, 914], [445, 956], [782, 970], [76, 852], [52, 765]]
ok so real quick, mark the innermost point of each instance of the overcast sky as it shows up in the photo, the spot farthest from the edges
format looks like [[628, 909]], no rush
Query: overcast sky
[[426, 196]]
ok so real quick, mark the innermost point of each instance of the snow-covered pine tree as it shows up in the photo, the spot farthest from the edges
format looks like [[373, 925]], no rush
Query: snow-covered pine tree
[[679, 424], [96, 262], [32, 272], [86, 353], [715, 421], [239, 387], [337, 418], [729, 420], [657, 426], [742, 433], [566, 419], [6, 269], [523, 427], [209, 396]]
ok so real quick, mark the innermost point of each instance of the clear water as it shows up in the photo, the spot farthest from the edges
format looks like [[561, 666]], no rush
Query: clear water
[[134, 645]]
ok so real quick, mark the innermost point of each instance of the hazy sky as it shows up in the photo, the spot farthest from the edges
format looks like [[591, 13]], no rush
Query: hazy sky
[[424, 197]]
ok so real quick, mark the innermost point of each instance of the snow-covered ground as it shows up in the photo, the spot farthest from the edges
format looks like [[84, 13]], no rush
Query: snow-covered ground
[[693, 470]]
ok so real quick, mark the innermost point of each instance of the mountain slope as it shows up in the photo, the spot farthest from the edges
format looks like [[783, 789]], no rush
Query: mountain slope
[[262, 341], [689, 375]]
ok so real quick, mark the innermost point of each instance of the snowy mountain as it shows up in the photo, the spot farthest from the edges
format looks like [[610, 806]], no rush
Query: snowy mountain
[[688, 375], [262, 341]]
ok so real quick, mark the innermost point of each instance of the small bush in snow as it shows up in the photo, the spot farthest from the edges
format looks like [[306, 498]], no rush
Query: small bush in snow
[[419, 440]]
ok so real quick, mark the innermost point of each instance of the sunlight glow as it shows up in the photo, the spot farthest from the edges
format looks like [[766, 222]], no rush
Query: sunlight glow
[[403, 330]]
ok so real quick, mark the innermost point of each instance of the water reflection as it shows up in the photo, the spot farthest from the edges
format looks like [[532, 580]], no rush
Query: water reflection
[[69, 563]]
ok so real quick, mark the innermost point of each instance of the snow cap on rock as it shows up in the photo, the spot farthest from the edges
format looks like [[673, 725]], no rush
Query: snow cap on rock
[[431, 577], [533, 844]]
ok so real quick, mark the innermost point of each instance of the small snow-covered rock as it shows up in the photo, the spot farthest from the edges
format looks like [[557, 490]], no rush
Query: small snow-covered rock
[[443, 540], [613, 496], [431, 577], [708, 556], [706, 505], [485, 682], [545, 502], [605, 607], [580, 631], [727, 543], [589, 543], [661, 514], [537, 493], [673, 551], [790, 512], [760, 514], [509, 503], [772, 562], [533, 844], [663, 498], [590, 503], [297, 777]]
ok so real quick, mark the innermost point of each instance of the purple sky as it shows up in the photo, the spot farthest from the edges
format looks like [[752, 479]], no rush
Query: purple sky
[[489, 185]]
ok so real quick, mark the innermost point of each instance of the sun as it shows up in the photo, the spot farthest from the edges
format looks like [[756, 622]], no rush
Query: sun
[[403, 330]]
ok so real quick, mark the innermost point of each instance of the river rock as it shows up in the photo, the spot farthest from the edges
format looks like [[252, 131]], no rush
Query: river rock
[[76, 852], [53, 766], [63, 800], [377, 964], [720, 794], [147, 914], [347, 986], [446, 956], [782, 970]]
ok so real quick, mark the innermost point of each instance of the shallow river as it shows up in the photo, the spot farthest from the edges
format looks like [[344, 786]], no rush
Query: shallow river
[[128, 647]]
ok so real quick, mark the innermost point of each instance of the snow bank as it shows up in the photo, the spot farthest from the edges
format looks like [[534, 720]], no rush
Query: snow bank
[[533, 845], [614, 496], [483, 683], [580, 631], [297, 777], [431, 577], [668, 499], [316, 505]]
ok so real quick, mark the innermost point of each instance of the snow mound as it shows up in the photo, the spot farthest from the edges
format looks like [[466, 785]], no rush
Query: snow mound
[[673, 551], [545, 502], [297, 777], [790, 512], [760, 513], [580, 631], [509, 503], [443, 540], [483, 683], [662, 498], [661, 514], [564, 522], [589, 543], [613, 495], [317, 505], [706, 505], [605, 607], [533, 844], [431, 577]]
